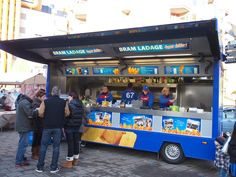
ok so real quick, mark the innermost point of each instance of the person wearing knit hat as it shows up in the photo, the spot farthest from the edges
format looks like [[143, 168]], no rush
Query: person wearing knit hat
[[147, 97]]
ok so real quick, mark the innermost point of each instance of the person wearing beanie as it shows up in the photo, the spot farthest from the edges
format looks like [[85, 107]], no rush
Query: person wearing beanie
[[147, 97]]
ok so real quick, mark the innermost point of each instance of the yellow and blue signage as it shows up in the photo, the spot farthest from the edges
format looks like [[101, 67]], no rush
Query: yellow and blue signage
[[100, 118], [136, 121], [184, 126], [154, 47]]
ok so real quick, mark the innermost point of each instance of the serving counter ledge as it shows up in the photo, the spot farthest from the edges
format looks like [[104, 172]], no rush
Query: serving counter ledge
[[204, 115]]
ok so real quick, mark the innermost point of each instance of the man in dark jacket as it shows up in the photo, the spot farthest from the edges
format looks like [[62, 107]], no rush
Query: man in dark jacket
[[24, 112], [53, 111]]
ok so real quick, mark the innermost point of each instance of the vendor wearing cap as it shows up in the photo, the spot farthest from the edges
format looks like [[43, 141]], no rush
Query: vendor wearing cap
[[147, 97], [105, 95], [165, 99], [129, 95]]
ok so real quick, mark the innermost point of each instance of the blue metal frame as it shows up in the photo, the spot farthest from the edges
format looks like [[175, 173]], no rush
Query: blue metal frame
[[215, 101]]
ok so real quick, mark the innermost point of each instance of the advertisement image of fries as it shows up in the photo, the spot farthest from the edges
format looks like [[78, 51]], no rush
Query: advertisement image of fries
[[112, 137], [116, 71], [100, 118], [181, 69], [182, 132], [182, 126], [136, 121], [133, 70]]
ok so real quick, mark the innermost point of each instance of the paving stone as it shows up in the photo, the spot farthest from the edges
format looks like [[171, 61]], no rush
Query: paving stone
[[100, 161]]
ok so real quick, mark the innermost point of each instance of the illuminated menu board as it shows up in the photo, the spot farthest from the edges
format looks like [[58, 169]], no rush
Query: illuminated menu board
[[182, 69], [143, 70], [77, 71], [106, 71]]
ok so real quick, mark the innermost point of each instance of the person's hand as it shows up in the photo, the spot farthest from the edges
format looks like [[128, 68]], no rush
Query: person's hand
[[173, 100]]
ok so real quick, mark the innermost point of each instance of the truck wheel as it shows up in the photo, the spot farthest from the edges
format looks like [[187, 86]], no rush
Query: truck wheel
[[172, 153]]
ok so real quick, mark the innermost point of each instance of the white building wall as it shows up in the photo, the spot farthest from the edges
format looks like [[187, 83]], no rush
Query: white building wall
[[36, 24]]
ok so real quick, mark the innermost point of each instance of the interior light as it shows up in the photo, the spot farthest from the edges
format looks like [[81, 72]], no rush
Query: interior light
[[166, 55], [79, 59]]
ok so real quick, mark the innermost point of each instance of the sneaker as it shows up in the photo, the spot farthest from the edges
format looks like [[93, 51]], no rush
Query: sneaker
[[39, 170], [54, 171]]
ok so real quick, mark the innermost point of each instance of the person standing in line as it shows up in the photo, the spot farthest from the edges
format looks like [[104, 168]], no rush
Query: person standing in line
[[72, 128], [232, 152], [38, 124], [24, 115], [53, 111]]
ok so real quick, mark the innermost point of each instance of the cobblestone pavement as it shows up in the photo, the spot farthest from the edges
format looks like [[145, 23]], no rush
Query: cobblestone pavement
[[102, 161]]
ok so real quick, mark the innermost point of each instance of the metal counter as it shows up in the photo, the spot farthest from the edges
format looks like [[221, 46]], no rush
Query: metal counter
[[204, 115]]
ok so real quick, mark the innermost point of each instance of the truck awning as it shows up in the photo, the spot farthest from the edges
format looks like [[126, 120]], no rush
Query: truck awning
[[196, 39]]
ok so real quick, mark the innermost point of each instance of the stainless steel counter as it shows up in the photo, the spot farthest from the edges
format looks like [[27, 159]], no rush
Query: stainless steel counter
[[204, 115]]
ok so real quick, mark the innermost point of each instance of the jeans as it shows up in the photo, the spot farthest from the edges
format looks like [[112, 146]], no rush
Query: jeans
[[22, 145], [73, 142], [222, 172], [233, 169], [47, 134]]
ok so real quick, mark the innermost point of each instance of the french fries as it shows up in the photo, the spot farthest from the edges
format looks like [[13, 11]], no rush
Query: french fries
[[132, 70], [182, 132]]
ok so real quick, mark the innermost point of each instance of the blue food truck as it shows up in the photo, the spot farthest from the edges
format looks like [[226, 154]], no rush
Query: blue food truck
[[184, 57]]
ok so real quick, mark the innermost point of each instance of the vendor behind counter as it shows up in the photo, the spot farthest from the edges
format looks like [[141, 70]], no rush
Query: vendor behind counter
[[147, 98], [129, 94], [105, 95], [166, 99]]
